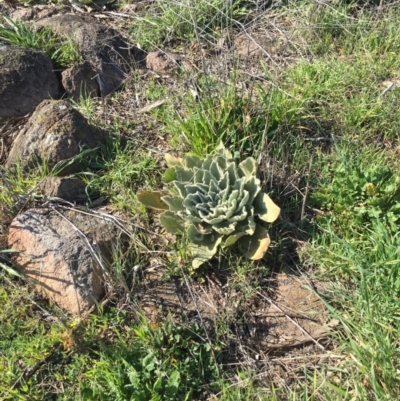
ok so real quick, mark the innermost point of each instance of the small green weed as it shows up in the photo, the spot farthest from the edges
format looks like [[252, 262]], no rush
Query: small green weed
[[166, 362], [356, 191]]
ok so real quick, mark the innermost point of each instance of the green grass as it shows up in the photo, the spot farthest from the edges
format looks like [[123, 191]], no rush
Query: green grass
[[119, 171], [63, 52], [326, 135], [184, 20]]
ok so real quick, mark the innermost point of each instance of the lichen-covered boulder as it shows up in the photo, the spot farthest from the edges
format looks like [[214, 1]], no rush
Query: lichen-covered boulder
[[54, 133]]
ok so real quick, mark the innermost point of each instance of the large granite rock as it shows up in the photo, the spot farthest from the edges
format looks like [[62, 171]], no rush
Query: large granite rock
[[54, 133], [67, 264]]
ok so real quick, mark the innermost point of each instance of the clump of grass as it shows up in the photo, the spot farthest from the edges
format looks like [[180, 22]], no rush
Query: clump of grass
[[185, 20], [240, 119], [16, 187], [346, 27], [367, 260], [25, 341], [119, 171], [63, 52]]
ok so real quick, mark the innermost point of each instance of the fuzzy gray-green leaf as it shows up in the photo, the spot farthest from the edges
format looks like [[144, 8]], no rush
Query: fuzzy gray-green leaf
[[174, 203], [221, 150], [192, 161], [255, 246], [204, 251], [247, 168], [172, 223], [183, 174], [232, 239], [265, 208], [194, 234]]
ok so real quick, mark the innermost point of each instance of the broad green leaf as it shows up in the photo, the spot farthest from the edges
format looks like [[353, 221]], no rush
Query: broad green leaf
[[194, 234], [241, 214], [222, 162], [193, 161], [253, 188], [248, 168], [189, 217], [233, 173], [172, 223], [174, 203], [255, 246], [248, 225], [205, 251], [157, 385], [221, 150], [172, 387], [152, 200], [181, 188], [183, 174], [216, 172], [232, 239], [265, 208], [169, 175], [225, 227], [173, 161]]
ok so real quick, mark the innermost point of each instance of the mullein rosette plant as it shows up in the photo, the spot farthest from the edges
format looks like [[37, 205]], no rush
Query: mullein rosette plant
[[216, 202]]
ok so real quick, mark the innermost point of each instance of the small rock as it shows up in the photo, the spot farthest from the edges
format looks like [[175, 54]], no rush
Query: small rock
[[55, 132], [80, 80], [162, 63], [59, 258], [26, 78], [23, 14], [71, 189], [46, 11]]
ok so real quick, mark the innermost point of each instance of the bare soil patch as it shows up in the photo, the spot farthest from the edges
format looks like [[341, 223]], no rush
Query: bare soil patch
[[285, 322]]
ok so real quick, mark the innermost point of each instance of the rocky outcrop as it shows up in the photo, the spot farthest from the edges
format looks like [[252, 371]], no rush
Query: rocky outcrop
[[107, 53], [55, 132], [65, 253], [26, 79]]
